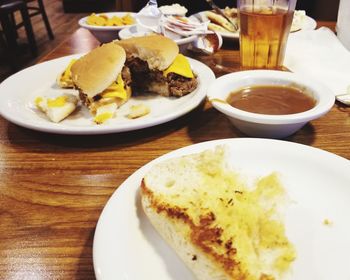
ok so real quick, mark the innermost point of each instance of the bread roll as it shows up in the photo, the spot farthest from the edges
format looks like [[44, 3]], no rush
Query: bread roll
[[157, 50], [98, 69]]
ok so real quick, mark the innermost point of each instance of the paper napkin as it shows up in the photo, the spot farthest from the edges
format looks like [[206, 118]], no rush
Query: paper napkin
[[320, 55]]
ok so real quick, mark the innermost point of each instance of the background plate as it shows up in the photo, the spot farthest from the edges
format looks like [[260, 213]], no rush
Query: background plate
[[308, 24]]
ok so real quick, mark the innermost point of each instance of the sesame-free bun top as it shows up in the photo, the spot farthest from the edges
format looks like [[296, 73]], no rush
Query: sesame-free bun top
[[98, 69], [159, 51]]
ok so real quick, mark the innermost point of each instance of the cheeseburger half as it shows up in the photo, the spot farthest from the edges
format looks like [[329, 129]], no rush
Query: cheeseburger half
[[156, 66], [103, 80]]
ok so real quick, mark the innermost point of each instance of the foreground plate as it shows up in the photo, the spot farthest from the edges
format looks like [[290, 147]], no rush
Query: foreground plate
[[127, 247], [19, 91]]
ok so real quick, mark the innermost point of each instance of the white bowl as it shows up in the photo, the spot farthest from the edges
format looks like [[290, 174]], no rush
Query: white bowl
[[105, 34], [137, 31], [262, 125]]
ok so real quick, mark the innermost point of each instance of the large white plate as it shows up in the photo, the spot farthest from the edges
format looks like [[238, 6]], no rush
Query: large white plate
[[19, 91], [127, 247], [308, 24]]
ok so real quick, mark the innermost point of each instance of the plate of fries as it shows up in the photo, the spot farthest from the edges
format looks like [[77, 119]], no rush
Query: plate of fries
[[105, 26]]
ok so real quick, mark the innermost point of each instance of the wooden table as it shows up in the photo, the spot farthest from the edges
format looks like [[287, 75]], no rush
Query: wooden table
[[54, 187]]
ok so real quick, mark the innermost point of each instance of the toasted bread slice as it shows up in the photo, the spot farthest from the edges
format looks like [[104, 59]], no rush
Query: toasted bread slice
[[220, 20], [219, 28], [219, 227]]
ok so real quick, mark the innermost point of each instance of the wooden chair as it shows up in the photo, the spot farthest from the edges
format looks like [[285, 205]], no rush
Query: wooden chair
[[39, 9], [9, 28]]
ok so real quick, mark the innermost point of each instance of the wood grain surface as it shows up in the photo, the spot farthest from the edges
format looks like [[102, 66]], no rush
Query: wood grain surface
[[54, 187]]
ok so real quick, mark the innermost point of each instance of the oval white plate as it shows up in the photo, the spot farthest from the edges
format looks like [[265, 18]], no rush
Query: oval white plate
[[308, 24], [82, 21], [19, 91], [137, 31], [127, 247]]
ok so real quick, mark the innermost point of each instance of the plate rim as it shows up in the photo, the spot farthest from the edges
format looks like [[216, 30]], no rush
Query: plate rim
[[185, 40], [197, 98], [345, 163]]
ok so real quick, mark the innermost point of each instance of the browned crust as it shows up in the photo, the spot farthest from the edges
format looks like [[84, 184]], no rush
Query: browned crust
[[204, 236]]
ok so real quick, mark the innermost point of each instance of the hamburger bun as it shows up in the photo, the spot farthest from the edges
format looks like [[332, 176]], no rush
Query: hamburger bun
[[98, 69], [157, 50]]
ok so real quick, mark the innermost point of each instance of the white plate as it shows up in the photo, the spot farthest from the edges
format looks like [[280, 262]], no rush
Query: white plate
[[137, 31], [127, 247], [82, 21], [19, 91], [308, 24]]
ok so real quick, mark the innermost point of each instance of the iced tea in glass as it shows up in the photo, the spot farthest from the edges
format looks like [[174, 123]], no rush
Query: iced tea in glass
[[264, 30]]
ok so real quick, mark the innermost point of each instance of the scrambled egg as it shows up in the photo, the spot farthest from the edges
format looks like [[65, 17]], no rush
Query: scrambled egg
[[327, 222], [105, 112], [57, 108], [247, 219], [104, 20], [138, 111]]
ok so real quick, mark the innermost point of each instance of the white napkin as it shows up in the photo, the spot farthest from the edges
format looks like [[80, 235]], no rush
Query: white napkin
[[149, 17], [320, 55]]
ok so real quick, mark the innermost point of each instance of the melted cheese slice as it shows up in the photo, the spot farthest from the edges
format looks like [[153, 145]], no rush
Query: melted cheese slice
[[116, 89], [66, 78], [180, 66], [112, 97]]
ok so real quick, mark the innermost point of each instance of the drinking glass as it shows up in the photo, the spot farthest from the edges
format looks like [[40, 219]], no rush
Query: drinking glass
[[264, 29]]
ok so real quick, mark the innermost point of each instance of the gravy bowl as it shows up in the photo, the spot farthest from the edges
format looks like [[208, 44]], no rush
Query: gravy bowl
[[265, 125]]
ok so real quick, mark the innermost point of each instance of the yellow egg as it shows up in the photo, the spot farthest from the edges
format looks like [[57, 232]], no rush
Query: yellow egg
[[57, 108], [105, 112]]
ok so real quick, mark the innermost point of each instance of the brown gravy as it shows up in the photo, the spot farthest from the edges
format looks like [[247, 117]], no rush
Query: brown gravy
[[271, 100]]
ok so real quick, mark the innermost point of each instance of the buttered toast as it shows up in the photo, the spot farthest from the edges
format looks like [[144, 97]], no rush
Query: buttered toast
[[220, 227]]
